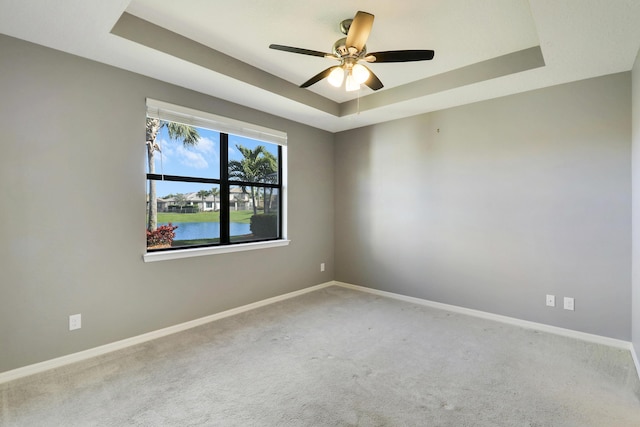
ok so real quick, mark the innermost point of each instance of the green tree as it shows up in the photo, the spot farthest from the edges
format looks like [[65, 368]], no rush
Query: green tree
[[203, 194], [181, 199], [254, 167], [177, 131], [214, 192], [270, 175]]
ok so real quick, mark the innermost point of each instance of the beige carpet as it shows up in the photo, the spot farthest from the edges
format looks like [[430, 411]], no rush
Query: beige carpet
[[338, 357]]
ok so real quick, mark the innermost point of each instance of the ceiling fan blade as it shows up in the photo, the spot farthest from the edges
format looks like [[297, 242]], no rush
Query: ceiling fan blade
[[400, 56], [300, 50], [359, 30], [321, 75], [373, 81]]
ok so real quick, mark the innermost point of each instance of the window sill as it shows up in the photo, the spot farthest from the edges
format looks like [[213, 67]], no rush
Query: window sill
[[189, 253]]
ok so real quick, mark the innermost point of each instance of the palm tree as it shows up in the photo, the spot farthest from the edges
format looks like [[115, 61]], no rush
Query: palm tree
[[270, 175], [253, 168], [214, 192], [202, 194], [181, 199], [189, 136]]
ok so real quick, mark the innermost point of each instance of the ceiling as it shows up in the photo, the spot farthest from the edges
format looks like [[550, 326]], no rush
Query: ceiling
[[484, 49]]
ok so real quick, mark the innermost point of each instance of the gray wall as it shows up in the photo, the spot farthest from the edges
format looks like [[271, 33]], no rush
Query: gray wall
[[72, 207], [493, 205], [635, 327], [488, 206]]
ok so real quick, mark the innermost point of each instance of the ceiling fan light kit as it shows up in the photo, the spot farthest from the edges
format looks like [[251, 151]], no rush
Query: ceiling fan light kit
[[356, 75], [360, 73], [351, 84], [352, 49], [336, 77]]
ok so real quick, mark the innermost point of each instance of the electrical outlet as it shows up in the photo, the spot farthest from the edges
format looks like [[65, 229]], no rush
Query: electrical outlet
[[551, 300], [322, 266], [568, 303], [75, 322]]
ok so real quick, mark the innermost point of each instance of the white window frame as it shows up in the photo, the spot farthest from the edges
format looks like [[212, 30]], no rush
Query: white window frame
[[172, 112]]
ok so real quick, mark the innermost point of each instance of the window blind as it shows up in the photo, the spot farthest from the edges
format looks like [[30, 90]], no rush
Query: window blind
[[171, 112]]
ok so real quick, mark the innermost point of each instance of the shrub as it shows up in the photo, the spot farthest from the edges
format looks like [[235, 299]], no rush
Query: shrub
[[190, 209], [162, 236], [264, 225]]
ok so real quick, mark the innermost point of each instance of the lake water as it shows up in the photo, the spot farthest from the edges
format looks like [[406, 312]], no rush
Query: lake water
[[206, 230]]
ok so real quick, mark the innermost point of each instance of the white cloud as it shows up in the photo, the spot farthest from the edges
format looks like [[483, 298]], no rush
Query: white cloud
[[205, 145], [197, 156], [191, 158]]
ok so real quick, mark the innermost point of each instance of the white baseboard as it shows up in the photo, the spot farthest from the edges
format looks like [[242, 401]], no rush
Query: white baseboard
[[636, 361], [598, 339], [118, 345]]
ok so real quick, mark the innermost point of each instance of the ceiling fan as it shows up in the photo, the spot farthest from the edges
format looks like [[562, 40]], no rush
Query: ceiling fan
[[350, 51]]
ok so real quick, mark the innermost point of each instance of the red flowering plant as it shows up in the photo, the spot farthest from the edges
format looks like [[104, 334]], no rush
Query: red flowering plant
[[161, 237]]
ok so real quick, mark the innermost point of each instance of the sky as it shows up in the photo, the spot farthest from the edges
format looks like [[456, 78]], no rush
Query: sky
[[201, 160]]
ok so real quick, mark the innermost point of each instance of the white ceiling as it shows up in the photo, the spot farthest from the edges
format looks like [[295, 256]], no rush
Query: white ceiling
[[578, 39]]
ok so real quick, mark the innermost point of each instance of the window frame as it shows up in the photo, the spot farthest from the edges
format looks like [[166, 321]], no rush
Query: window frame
[[224, 126]]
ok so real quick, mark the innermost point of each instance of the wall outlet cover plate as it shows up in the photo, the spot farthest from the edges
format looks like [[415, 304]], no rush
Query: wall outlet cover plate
[[75, 322], [551, 300], [568, 303]]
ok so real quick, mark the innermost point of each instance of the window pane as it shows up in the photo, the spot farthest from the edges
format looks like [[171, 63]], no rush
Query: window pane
[[193, 207], [187, 153], [248, 224], [251, 160]]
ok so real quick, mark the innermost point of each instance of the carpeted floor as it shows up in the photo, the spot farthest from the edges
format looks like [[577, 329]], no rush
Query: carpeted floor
[[338, 357]]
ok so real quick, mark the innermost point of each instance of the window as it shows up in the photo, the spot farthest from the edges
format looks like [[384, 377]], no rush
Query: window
[[212, 182]]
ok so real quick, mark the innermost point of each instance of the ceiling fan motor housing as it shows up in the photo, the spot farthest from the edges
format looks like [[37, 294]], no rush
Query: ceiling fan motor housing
[[341, 50]]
